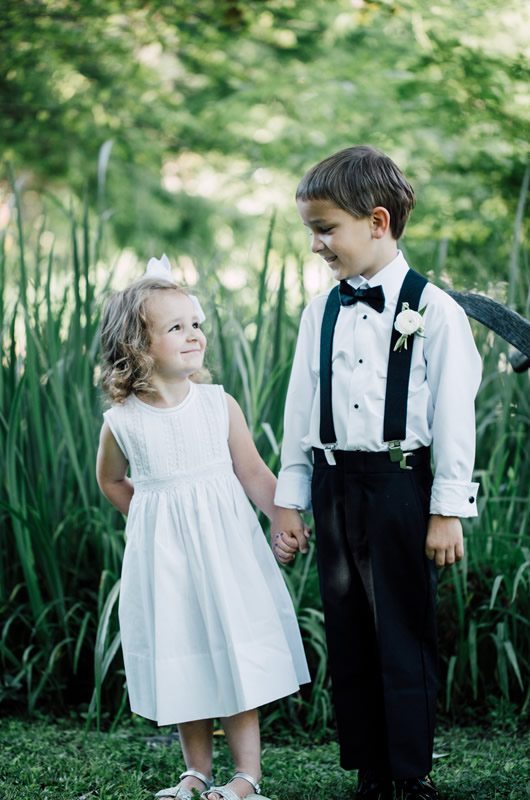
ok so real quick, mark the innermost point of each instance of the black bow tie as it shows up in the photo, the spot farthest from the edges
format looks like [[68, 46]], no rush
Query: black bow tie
[[373, 295]]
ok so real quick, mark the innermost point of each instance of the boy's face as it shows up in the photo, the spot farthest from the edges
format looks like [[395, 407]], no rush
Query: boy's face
[[349, 245]]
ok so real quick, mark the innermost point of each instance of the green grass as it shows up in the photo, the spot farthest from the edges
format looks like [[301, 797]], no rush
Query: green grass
[[59, 761]]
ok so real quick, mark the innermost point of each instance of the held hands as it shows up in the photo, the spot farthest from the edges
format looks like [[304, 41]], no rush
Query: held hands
[[288, 534], [445, 541]]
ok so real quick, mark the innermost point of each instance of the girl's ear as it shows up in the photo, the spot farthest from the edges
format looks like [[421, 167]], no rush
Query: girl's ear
[[380, 222]]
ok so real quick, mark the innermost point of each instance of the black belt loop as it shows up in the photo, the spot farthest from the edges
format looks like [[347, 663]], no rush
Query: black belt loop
[[399, 361]]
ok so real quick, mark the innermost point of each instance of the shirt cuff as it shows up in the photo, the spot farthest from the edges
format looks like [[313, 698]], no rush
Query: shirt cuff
[[454, 498], [293, 491]]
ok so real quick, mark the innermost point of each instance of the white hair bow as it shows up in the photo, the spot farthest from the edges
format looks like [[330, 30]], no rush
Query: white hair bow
[[161, 268]]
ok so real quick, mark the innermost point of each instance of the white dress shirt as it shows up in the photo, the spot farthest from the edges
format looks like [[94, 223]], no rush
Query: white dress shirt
[[444, 379]]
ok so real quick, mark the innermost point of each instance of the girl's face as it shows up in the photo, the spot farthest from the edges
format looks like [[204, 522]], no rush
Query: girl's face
[[177, 342]]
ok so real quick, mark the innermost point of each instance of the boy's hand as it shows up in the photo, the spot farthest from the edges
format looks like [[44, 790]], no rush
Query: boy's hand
[[445, 541], [288, 533]]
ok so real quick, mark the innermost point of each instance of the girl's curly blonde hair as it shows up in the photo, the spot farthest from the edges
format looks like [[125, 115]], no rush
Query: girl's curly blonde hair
[[127, 366]]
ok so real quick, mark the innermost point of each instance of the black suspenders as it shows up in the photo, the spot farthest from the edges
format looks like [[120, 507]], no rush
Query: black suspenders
[[395, 419], [328, 437]]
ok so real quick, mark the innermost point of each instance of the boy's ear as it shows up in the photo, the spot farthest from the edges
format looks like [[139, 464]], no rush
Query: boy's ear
[[380, 222]]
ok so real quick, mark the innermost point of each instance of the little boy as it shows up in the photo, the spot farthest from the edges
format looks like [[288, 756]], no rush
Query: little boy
[[385, 371]]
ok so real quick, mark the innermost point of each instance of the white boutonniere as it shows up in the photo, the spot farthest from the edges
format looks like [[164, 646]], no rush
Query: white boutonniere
[[408, 323]]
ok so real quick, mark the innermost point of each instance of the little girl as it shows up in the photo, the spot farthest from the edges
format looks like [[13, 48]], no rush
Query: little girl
[[208, 629]]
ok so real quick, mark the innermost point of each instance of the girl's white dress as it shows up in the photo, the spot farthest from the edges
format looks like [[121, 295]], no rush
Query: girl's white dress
[[207, 624]]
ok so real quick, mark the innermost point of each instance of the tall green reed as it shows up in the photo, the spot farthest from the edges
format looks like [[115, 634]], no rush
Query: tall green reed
[[61, 555], [62, 544], [485, 600], [58, 534]]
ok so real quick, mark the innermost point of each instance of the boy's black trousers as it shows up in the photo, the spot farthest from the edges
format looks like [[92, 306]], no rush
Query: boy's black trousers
[[379, 595]]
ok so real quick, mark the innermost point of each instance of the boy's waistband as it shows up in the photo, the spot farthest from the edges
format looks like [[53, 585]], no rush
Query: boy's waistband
[[363, 461]]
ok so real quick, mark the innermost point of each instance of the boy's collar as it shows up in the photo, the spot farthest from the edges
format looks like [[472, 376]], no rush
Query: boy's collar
[[390, 277]]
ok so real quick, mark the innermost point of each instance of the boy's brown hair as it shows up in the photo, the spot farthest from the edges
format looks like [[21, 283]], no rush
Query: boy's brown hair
[[357, 180]]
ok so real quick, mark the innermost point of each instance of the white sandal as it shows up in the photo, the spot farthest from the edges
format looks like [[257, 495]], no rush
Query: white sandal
[[179, 791], [229, 794]]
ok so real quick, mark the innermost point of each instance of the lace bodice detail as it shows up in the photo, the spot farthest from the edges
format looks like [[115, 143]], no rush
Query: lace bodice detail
[[165, 443]]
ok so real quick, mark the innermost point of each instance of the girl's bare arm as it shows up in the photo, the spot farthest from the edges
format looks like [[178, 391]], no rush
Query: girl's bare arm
[[254, 475], [111, 471]]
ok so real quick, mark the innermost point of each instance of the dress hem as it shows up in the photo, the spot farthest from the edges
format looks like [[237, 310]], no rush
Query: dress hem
[[161, 722]]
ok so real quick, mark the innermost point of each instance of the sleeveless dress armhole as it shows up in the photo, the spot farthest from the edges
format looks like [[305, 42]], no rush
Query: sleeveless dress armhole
[[109, 418]]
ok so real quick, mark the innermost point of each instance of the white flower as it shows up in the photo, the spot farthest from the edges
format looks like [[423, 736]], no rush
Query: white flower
[[408, 322]]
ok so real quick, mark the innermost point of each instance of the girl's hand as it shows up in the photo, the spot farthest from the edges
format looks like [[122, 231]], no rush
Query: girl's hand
[[290, 522], [284, 547]]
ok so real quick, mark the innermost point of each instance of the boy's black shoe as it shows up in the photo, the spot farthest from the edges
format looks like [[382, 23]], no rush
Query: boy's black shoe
[[416, 789], [372, 786]]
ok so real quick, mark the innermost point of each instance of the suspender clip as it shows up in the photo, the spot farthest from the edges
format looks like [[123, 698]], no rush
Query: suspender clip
[[395, 451], [397, 454], [328, 452]]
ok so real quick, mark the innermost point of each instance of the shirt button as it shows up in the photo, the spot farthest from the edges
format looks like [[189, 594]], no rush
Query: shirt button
[[365, 316], [356, 405], [360, 361], [471, 499]]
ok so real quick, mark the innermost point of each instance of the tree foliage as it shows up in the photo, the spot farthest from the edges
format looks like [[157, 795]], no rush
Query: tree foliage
[[216, 108]]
